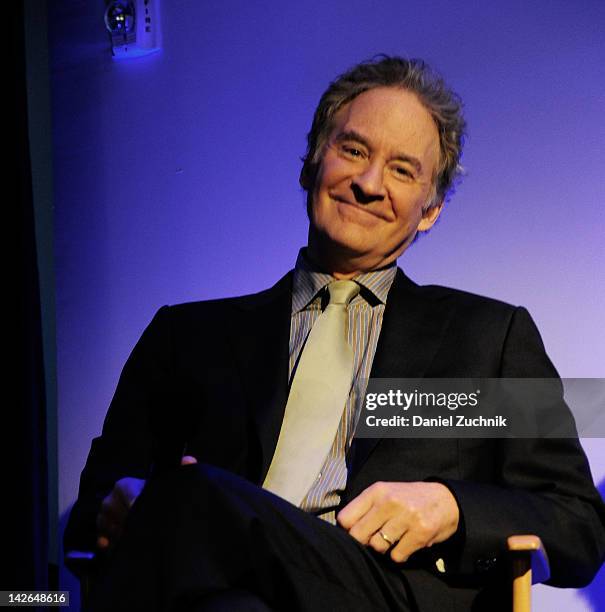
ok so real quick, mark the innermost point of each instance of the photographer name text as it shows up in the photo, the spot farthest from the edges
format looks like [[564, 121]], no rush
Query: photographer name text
[[458, 420]]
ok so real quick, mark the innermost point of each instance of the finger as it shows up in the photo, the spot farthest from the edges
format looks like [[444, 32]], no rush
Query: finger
[[127, 490], [370, 523], [366, 527], [108, 534], [109, 530], [407, 545], [188, 460], [110, 519], [392, 531], [107, 524], [114, 507], [110, 514], [356, 508], [374, 509], [380, 543], [106, 541]]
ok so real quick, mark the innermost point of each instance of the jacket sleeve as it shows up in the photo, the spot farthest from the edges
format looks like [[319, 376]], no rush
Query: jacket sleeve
[[545, 487], [127, 445]]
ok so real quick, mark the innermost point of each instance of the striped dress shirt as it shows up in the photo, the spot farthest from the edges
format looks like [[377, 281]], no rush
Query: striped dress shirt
[[365, 313]]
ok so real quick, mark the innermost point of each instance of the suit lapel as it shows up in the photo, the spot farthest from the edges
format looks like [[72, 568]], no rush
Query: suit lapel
[[412, 331], [262, 351]]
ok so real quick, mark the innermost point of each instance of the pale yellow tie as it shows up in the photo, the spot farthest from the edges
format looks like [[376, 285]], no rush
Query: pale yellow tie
[[316, 402]]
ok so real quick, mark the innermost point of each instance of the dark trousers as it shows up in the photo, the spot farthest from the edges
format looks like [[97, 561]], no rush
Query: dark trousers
[[201, 538]]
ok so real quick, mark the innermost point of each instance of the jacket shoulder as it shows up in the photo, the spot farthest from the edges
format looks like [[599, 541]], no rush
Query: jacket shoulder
[[467, 299], [443, 299], [217, 306]]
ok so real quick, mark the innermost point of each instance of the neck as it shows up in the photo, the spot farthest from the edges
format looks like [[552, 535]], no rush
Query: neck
[[341, 262]]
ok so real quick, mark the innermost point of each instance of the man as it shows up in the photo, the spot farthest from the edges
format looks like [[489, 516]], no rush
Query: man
[[387, 524]]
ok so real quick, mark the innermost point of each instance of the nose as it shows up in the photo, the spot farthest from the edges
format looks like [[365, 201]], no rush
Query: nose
[[368, 185]]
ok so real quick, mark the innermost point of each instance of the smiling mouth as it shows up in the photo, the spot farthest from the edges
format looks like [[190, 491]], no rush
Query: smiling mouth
[[362, 208]]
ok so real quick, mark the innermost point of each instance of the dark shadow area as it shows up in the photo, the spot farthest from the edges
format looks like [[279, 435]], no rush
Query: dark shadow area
[[67, 580], [26, 465]]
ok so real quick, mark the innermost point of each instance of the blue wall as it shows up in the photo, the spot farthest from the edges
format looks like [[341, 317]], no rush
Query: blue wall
[[176, 175]]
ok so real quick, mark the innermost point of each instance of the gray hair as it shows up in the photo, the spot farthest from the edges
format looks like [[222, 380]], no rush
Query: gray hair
[[414, 75]]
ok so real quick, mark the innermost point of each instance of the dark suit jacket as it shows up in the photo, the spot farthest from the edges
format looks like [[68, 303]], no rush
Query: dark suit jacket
[[211, 379]]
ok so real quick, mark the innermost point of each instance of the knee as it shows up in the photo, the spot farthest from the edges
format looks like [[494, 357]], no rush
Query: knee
[[200, 480]]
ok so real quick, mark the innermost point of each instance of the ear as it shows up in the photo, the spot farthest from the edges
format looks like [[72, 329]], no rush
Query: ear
[[430, 216], [307, 176], [303, 179]]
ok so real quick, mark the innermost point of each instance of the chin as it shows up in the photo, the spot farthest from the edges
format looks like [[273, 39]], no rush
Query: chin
[[355, 239]]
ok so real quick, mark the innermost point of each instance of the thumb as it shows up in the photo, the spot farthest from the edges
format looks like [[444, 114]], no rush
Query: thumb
[[188, 460]]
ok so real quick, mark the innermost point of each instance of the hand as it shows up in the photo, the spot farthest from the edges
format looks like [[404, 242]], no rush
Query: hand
[[114, 510], [412, 515], [188, 460], [115, 507]]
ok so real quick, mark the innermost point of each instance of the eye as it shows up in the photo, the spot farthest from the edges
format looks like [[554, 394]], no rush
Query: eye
[[403, 172], [352, 151]]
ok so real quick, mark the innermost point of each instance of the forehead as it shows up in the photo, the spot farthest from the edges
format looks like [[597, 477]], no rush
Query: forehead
[[392, 119]]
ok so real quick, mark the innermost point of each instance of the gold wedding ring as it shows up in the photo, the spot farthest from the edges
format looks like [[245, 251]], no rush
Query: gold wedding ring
[[386, 538]]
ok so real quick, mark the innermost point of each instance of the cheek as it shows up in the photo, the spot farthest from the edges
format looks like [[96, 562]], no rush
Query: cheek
[[407, 220], [321, 199], [408, 204], [332, 171]]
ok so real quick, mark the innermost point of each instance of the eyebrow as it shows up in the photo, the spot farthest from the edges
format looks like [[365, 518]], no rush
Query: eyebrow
[[357, 137]]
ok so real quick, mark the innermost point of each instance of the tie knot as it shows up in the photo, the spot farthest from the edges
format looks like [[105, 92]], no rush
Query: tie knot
[[343, 291]]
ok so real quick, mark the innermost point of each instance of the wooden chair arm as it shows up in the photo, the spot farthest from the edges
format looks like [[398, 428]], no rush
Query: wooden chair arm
[[529, 565]]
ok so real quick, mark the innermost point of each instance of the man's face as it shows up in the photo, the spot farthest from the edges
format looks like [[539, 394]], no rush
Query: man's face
[[375, 178]]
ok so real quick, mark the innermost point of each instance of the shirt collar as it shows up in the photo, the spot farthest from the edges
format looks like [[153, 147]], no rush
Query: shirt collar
[[309, 282]]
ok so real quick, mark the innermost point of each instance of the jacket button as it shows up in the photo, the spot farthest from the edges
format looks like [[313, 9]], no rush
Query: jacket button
[[485, 564]]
